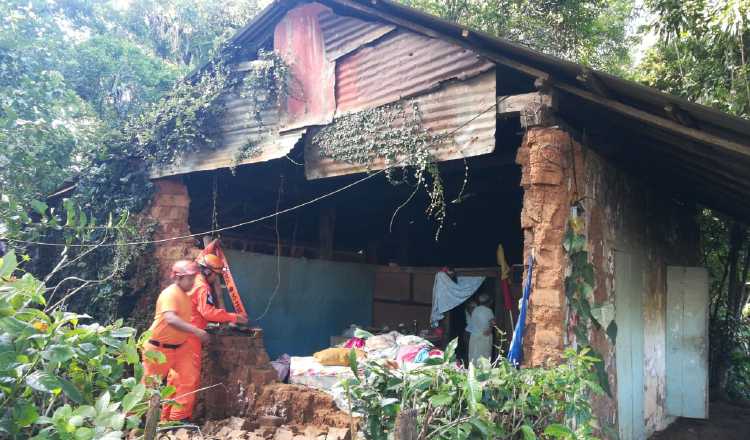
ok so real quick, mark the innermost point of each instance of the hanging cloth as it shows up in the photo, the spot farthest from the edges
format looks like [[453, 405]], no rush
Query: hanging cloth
[[447, 294], [515, 353]]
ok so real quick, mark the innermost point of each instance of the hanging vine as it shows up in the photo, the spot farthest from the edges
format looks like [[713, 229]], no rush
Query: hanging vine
[[266, 85], [394, 135]]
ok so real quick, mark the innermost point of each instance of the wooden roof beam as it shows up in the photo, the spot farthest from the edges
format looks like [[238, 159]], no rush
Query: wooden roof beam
[[657, 121]]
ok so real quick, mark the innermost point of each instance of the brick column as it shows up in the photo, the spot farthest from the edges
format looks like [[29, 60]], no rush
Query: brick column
[[547, 184], [170, 208]]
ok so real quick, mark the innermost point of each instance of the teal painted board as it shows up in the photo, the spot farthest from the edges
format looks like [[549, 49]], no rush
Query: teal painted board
[[316, 299], [687, 342], [629, 286]]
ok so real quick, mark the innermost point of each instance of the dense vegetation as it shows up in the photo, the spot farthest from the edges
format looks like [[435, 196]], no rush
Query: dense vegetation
[[91, 93]]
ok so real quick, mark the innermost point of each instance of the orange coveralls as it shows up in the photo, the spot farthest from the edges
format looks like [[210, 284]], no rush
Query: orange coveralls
[[178, 368], [203, 312]]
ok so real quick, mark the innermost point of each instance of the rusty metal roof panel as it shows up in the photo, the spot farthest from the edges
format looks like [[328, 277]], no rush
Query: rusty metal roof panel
[[401, 65], [237, 127], [464, 109], [298, 39], [343, 35]]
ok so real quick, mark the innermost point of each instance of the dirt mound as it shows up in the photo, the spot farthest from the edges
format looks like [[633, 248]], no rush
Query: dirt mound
[[237, 428], [299, 405]]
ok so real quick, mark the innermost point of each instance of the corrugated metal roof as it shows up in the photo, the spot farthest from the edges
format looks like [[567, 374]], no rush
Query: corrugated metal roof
[[403, 64], [620, 103], [464, 108], [238, 126], [346, 34], [299, 41]]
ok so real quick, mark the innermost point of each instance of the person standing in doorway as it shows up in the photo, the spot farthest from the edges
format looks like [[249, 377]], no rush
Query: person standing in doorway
[[169, 333], [203, 297], [480, 325]]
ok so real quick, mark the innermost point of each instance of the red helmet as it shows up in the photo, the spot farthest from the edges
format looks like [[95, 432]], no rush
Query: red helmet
[[184, 268], [212, 262]]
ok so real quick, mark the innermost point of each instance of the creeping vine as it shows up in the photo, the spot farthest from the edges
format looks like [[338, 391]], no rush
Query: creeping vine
[[393, 135], [579, 290], [266, 85]]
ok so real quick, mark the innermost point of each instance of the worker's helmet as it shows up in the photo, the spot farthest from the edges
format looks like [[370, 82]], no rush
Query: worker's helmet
[[212, 262], [184, 268]]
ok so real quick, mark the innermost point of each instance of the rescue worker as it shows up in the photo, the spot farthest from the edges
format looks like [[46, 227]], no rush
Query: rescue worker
[[204, 310], [169, 334]]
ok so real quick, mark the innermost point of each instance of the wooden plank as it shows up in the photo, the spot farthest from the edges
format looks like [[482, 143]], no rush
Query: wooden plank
[[687, 342], [511, 104], [629, 348], [657, 121]]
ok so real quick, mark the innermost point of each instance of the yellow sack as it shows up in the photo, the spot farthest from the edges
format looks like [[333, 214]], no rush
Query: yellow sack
[[337, 356]]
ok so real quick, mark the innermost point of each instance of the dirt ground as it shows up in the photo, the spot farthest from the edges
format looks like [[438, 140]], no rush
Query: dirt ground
[[725, 422]]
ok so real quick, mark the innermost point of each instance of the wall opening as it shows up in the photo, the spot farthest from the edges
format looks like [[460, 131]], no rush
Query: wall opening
[[338, 261]]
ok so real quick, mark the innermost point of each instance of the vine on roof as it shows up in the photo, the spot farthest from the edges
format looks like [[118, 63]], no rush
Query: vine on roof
[[394, 136], [266, 84]]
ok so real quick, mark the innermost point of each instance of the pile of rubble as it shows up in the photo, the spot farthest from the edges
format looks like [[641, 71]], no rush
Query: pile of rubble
[[267, 428]]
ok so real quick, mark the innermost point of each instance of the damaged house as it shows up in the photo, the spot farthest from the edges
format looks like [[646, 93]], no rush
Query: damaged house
[[511, 147]]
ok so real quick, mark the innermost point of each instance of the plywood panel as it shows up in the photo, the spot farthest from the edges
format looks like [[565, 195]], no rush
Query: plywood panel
[[393, 314], [687, 342], [423, 283], [392, 286]]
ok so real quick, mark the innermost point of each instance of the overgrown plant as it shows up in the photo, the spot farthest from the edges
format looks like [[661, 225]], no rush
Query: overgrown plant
[[266, 85], [392, 136], [579, 291], [484, 401], [61, 376]]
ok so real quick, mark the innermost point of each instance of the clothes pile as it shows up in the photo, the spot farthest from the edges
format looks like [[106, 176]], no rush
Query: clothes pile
[[327, 368]]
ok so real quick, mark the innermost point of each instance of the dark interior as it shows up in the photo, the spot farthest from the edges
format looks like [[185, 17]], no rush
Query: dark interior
[[487, 213]]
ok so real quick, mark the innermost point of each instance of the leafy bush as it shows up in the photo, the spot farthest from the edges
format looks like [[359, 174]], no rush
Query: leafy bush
[[59, 377], [485, 401]]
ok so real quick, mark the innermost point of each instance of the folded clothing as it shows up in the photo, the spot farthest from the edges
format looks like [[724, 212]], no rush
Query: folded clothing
[[381, 342], [336, 356]]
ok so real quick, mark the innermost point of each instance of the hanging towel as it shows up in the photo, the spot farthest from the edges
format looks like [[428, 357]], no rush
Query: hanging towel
[[515, 353], [447, 294]]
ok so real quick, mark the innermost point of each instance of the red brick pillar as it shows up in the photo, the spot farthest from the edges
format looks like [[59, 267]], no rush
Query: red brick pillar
[[170, 208], [547, 183]]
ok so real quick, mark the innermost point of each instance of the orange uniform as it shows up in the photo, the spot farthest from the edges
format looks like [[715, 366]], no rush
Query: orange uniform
[[203, 311], [172, 343]]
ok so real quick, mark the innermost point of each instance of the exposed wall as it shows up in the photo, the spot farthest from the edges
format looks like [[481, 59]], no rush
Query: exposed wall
[[622, 212]]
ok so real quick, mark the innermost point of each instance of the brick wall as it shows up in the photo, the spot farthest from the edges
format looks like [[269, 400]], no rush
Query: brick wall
[[241, 365], [169, 208]]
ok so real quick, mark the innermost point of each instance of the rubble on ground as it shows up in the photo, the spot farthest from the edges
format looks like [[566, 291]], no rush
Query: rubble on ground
[[280, 412], [237, 428]]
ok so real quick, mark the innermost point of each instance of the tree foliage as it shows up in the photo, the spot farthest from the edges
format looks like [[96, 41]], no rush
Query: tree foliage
[[701, 53], [592, 32]]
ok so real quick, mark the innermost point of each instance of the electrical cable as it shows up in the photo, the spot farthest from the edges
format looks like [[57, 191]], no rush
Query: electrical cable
[[245, 223]]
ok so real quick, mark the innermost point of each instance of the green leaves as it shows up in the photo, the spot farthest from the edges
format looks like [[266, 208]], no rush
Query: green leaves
[[528, 432], [559, 431], [58, 353], [134, 397], [43, 381]]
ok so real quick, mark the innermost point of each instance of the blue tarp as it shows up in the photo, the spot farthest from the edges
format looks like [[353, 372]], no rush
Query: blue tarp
[[315, 300], [515, 353]]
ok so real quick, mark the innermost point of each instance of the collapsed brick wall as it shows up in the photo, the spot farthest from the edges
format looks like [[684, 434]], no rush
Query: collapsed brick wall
[[622, 212], [241, 366]]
